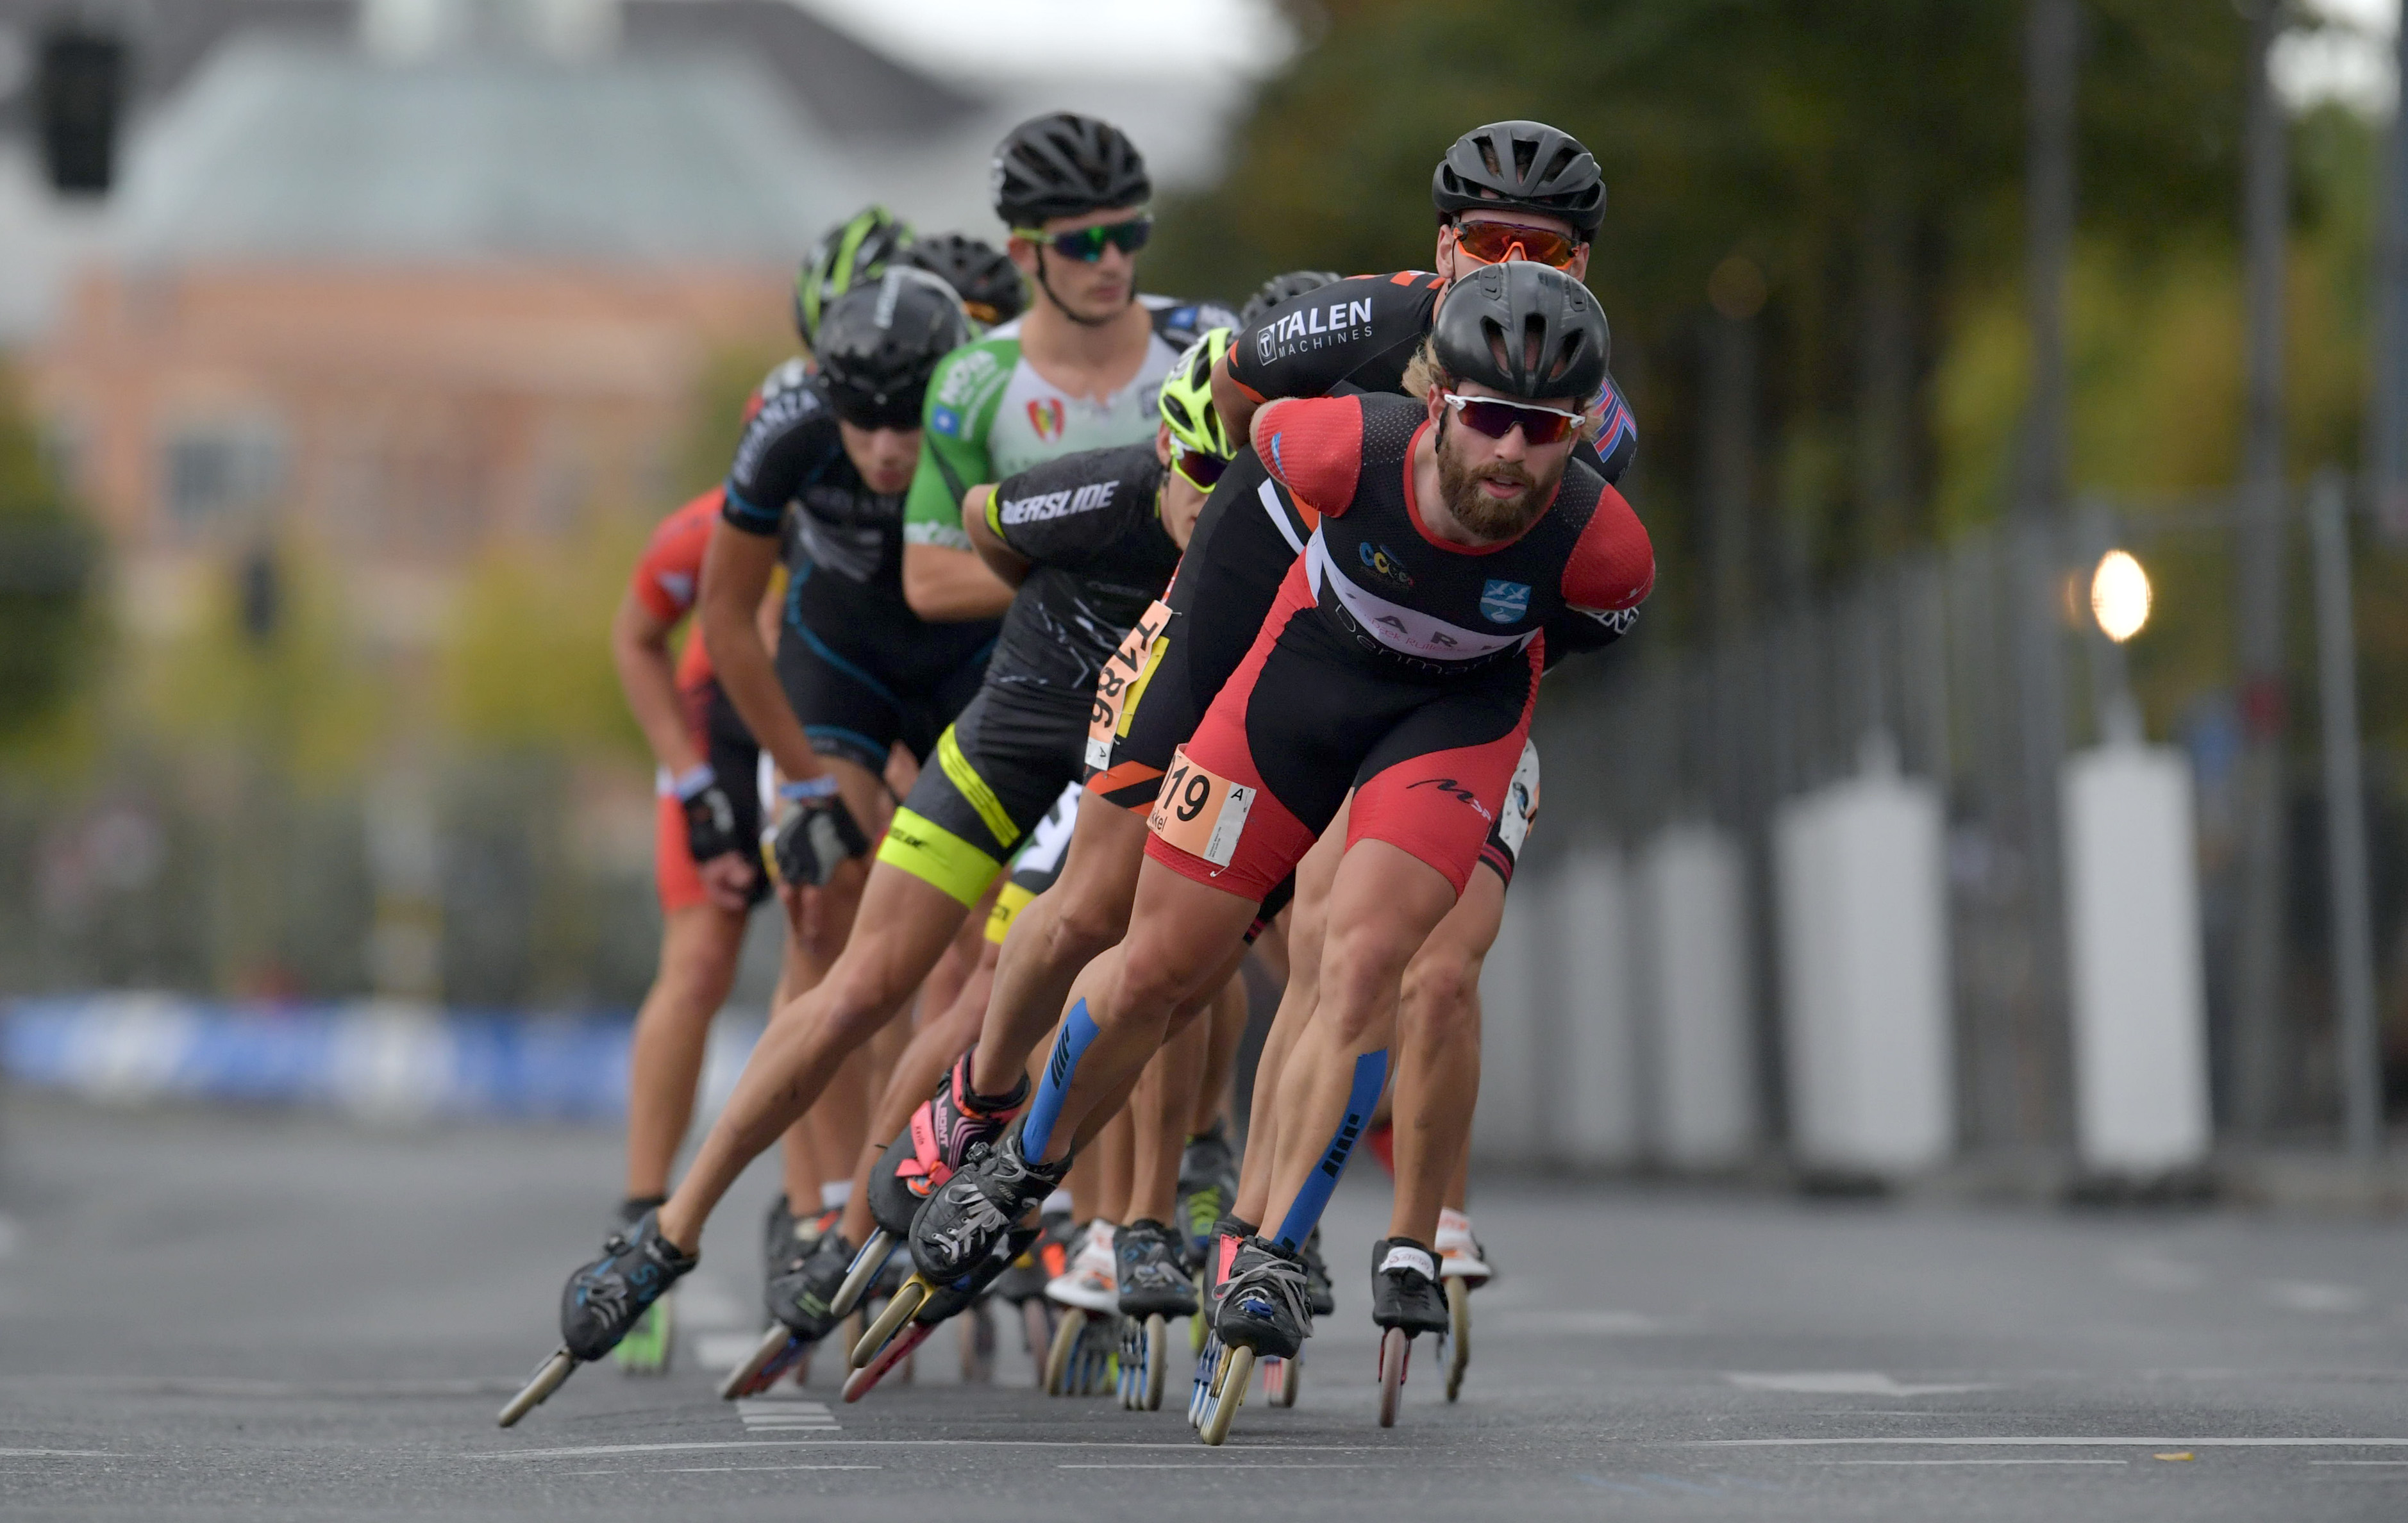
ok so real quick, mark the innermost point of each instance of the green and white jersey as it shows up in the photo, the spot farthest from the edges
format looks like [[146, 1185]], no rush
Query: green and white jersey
[[990, 415]]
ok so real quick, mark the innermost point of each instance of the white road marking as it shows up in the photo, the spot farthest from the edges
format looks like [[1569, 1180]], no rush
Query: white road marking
[[1227, 1464], [1842, 1382], [2060, 1440], [731, 1469], [60, 1454], [2392, 1463], [598, 1449], [785, 1413], [2315, 1296], [2018, 1462]]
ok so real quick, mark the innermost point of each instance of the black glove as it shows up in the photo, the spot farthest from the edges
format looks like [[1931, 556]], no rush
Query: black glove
[[815, 838], [710, 824]]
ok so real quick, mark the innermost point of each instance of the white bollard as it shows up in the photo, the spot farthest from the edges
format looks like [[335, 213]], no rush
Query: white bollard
[[2139, 1018], [1593, 1060], [1696, 970], [1864, 947]]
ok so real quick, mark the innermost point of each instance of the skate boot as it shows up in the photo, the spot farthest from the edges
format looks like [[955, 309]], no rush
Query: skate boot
[[1463, 1267], [601, 1305], [939, 1141], [1091, 1280], [1321, 1297], [1151, 1269], [969, 1214], [1461, 1257], [648, 1348], [1210, 1276], [799, 1301], [1405, 1300], [1264, 1311], [1207, 1184]]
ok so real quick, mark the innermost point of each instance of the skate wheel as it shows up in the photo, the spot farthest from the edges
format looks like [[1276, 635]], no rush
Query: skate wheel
[[1289, 1382], [745, 1379], [1458, 1313], [1396, 1352], [1201, 1391], [546, 1379], [864, 1269], [1058, 1352], [864, 1380], [1237, 1368], [1155, 1367], [906, 1302]]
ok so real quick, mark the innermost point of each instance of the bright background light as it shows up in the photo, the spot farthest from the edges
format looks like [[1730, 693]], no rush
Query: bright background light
[[2119, 595]]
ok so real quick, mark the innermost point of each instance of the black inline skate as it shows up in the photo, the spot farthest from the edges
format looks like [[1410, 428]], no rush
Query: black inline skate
[[1264, 1311], [1151, 1264], [648, 1347], [1406, 1301], [799, 1300], [1208, 1186], [972, 1212], [601, 1305]]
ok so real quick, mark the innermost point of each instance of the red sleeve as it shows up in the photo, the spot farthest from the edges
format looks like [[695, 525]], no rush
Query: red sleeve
[[1314, 446], [669, 572], [1611, 566]]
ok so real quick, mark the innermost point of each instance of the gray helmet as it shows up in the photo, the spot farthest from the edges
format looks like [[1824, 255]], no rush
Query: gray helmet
[[879, 344], [1521, 166], [1526, 329], [1065, 166], [988, 283], [1279, 287]]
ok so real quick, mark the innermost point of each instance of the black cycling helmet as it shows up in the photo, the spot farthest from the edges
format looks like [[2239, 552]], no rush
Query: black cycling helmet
[[1065, 166], [1521, 166], [1526, 329], [988, 283], [853, 252], [1279, 287], [879, 344]]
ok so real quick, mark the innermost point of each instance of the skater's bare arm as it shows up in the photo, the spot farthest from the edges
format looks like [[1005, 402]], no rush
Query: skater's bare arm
[[735, 572], [640, 645], [947, 585], [1010, 566]]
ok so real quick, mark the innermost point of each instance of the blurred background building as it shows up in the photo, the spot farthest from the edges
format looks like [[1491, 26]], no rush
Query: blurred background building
[[342, 411]]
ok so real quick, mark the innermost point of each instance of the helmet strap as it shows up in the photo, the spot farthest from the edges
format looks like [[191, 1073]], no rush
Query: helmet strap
[[1047, 286]]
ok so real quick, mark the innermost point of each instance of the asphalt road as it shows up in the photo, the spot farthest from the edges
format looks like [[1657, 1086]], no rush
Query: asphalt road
[[222, 1315]]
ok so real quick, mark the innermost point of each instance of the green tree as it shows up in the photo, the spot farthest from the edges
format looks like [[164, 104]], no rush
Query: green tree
[[48, 556]]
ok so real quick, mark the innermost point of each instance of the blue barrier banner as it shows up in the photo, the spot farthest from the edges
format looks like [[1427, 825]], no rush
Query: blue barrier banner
[[378, 1059]]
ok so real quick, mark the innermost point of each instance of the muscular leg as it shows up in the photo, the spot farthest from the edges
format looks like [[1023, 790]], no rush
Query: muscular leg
[[1383, 906], [905, 924], [699, 945], [1308, 918], [818, 921], [1225, 1031], [938, 1041], [1112, 1147], [1438, 1056], [1057, 934], [1158, 1115]]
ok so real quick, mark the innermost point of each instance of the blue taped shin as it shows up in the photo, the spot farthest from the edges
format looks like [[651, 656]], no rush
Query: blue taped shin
[[1371, 1076], [1037, 1128]]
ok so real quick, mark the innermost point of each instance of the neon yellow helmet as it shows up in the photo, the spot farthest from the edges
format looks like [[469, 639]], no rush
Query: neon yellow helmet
[[854, 251], [1187, 399]]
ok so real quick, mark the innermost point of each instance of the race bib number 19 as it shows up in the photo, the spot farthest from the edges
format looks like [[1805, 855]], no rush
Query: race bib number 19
[[1201, 813], [1119, 675]]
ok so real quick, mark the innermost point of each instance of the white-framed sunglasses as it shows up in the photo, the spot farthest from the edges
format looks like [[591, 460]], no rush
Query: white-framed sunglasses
[[1496, 417]]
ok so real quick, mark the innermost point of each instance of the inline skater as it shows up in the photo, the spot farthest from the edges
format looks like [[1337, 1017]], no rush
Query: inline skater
[[1402, 659], [983, 276], [1520, 179]]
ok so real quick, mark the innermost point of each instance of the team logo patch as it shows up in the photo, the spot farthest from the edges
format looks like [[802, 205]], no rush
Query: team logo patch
[[1503, 601], [946, 421], [1385, 565], [1046, 416]]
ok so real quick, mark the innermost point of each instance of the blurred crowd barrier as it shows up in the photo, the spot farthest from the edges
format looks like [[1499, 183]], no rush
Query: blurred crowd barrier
[[1932, 868]]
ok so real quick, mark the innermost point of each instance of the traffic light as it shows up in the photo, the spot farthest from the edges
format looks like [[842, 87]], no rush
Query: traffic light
[[78, 94]]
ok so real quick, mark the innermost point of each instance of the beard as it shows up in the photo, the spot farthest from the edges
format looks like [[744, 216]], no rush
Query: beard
[[1490, 518]]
